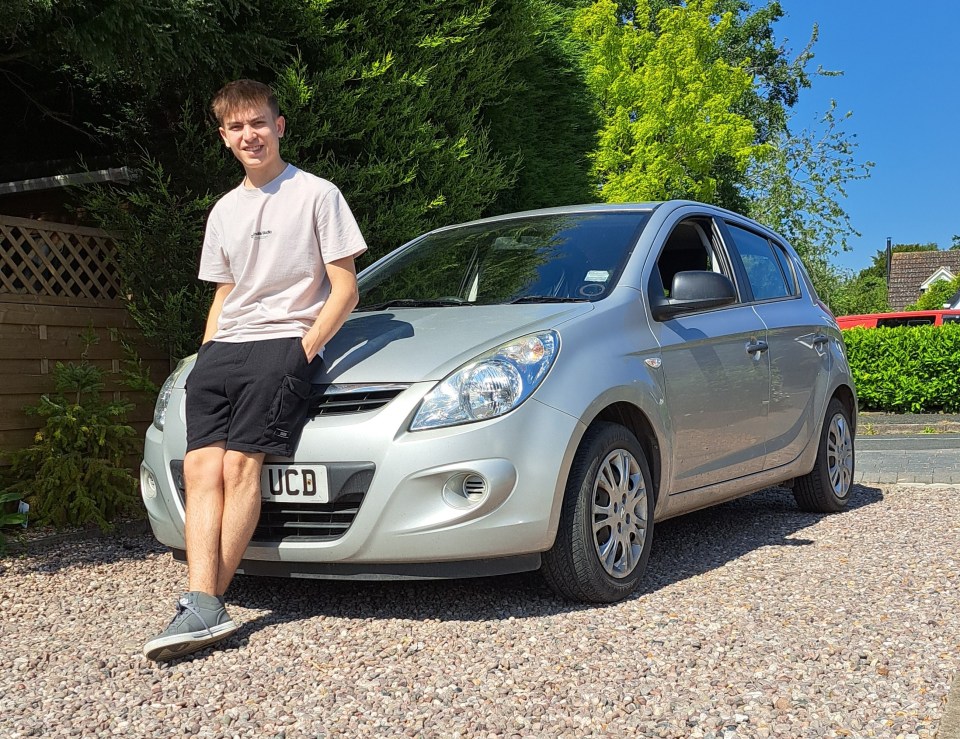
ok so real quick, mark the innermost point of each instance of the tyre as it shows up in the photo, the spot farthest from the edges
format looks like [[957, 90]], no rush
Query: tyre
[[826, 489], [606, 522]]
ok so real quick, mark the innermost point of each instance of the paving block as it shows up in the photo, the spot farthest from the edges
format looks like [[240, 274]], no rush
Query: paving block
[[950, 725]]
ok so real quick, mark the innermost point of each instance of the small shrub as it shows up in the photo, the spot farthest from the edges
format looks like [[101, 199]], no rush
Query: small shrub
[[74, 474], [8, 517]]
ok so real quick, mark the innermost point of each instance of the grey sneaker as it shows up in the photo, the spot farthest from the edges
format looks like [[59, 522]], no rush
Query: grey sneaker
[[201, 620]]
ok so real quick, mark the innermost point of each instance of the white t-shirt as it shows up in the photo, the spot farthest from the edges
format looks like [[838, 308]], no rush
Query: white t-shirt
[[273, 244]]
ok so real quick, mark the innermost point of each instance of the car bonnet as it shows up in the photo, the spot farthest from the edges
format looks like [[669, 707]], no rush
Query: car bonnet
[[426, 344]]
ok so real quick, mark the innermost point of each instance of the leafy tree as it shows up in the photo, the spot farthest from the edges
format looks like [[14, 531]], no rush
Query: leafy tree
[[150, 41], [91, 77], [937, 295], [799, 187], [547, 126], [748, 42], [158, 228], [384, 100], [863, 293], [666, 101], [794, 180], [777, 79]]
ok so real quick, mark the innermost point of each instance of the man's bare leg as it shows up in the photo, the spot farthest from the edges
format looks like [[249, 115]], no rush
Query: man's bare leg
[[203, 474], [241, 511], [201, 618]]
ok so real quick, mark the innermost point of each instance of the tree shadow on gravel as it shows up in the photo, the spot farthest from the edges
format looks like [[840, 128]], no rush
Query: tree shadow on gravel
[[698, 542], [682, 547], [85, 548]]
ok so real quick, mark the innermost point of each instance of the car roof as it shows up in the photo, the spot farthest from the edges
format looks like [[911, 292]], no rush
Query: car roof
[[562, 210], [641, 207]]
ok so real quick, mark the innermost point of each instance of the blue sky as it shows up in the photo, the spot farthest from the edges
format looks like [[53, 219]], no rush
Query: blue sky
[[902, 81]]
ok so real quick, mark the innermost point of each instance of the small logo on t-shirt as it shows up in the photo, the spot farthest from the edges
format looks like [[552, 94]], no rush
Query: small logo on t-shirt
[[257, 235]]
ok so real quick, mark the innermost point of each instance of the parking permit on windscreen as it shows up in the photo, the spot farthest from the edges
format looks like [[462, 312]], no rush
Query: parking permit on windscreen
[[597, 275]]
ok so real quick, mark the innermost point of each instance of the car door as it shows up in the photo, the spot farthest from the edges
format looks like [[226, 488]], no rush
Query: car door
[[716, 382], [796, 343]]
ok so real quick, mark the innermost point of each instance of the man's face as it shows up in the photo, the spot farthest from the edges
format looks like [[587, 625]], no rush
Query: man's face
[[253, 135]]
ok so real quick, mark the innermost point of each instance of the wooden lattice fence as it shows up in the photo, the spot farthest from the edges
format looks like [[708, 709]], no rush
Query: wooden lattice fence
[[56, 260], [57, 282]]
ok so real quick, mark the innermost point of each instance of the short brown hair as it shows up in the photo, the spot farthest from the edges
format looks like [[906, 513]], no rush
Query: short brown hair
[[242, 95]]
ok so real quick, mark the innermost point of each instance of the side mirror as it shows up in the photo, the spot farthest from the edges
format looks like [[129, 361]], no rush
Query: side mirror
[[692, 291]]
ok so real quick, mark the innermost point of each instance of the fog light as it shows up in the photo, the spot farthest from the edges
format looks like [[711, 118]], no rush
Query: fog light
[[465, 490], [474, 488], [148, 483]]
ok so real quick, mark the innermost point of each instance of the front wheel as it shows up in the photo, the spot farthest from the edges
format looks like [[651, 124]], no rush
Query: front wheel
[[606, 523], [826, 489]]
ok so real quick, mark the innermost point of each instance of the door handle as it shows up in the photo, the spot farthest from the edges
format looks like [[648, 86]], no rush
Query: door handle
[[758, 346]]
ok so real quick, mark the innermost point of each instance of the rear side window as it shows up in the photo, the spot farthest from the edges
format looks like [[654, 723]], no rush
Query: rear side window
[[898, 321], [787, 270], [763, 265], [951, 319]]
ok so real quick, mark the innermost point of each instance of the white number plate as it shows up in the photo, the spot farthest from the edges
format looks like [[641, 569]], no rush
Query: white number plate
[[294, 483]]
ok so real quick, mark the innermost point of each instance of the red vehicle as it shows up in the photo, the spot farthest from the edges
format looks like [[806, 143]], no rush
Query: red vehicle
[[900, 318]]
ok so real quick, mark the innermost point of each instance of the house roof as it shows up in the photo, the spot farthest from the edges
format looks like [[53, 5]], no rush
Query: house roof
[[909, 270]]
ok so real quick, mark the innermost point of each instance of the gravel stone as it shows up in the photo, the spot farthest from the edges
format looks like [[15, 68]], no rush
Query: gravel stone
[[754, 620]]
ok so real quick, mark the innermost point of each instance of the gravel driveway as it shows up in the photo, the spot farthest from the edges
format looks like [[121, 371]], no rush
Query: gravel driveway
[[756, 620]]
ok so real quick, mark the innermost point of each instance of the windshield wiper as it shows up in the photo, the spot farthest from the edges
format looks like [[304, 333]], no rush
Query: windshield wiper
[[548, 299], [413, 303]]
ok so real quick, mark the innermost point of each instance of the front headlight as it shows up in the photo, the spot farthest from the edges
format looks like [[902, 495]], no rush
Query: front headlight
[[163, 400], [491, 385]]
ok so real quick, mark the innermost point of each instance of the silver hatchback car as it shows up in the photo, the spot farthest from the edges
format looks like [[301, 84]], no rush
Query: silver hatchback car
[[536, 391]]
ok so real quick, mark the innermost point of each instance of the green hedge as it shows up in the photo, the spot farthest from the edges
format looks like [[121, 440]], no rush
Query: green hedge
[[906, 370]]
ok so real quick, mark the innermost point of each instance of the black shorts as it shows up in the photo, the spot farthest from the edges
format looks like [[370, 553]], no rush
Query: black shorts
[[253, 395]]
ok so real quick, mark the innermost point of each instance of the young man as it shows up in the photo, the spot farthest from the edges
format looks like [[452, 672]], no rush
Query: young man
[[280, 248]]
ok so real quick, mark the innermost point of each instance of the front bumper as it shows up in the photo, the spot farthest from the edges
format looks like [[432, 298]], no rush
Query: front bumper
[[411, 517]]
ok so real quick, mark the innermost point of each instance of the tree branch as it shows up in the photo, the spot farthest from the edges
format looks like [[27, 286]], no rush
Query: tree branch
[[12, 57]]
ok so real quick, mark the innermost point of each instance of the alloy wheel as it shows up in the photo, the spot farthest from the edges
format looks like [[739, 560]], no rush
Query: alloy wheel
[[840, 455], [619, 513]]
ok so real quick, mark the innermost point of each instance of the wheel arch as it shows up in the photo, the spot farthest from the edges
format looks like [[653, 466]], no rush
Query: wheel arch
[[635, 420], [844, 394]]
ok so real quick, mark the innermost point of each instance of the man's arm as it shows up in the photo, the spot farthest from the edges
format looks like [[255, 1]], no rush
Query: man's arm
[[344, 297], [223, 290]]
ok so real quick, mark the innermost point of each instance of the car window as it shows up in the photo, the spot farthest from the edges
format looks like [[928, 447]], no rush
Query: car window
[[785, 265], [951, 319], [571, 256], [762, 265], [899, 321], [689, 247]]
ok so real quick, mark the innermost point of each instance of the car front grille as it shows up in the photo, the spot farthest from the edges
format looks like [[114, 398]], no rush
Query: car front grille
[[334, 400], [307, 522]]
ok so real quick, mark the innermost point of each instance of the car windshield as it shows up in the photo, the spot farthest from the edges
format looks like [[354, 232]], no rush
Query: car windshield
[[550, 258]]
